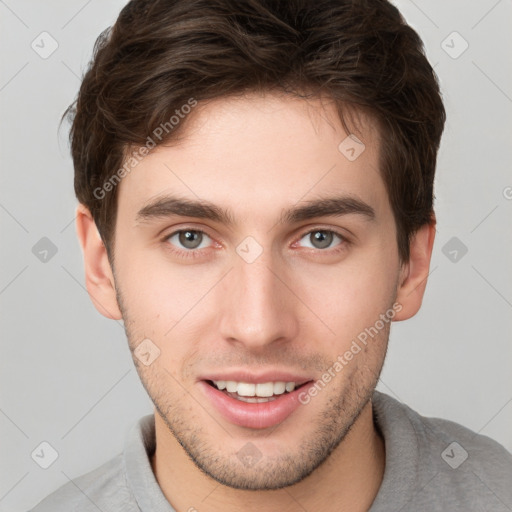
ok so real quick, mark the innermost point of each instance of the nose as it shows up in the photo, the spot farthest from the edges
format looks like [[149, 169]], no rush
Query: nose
[[257, 306]]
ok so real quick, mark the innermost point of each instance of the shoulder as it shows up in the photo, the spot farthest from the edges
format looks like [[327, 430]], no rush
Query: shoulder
[[460, 445], [121, 484], [434, 432], [448, 463], [104, 488]]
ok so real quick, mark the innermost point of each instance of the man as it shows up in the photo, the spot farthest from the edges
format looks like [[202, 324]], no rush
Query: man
[[255, 182]]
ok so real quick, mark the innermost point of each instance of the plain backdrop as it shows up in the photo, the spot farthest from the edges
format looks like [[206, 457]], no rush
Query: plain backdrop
[[67, 378]]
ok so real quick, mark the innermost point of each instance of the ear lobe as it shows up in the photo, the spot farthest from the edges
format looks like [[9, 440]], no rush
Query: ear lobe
[[99, 279], [413, 279]]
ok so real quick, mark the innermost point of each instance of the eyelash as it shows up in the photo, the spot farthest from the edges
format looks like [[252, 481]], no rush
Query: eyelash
[[194, 253]]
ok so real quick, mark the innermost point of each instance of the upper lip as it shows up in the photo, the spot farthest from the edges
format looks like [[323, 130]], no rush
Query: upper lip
[[257, 378]]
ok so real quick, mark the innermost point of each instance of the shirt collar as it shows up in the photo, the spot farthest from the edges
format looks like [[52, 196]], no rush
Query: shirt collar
[[140, 446]]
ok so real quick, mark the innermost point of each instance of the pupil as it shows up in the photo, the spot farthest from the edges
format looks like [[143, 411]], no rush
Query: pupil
[[190, 239], [324, 238]]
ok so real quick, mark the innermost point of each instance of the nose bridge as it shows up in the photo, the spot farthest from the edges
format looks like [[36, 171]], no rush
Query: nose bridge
[[258, 309]]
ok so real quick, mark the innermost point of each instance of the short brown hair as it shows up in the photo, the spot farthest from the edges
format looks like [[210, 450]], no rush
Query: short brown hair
[[160, 53]]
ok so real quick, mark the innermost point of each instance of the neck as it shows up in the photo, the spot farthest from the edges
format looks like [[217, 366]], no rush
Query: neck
[[348, 480]]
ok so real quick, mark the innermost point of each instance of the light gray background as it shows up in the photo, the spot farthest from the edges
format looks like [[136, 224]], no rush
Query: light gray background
[[66, 374]]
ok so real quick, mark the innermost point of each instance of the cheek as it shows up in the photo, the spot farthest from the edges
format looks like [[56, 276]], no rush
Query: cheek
[[350, 296], [161, 302], [160, 293]]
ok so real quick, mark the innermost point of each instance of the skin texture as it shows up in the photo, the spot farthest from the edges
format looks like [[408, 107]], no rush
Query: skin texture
[[295, 308]]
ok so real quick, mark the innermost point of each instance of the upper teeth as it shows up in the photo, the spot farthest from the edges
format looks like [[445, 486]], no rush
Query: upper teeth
[[265, 389]]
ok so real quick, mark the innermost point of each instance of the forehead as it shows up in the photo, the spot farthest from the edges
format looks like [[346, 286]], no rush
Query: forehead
[[258, 153]]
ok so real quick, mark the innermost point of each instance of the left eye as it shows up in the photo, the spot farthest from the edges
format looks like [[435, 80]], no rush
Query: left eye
[[189, 238], [321, 238]]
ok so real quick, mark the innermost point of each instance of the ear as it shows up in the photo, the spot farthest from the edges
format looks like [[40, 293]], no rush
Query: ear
[[414, 273], [99, 279]]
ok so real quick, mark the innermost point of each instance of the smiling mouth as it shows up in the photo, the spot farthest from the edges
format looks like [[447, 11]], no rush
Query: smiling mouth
[[255, 393]]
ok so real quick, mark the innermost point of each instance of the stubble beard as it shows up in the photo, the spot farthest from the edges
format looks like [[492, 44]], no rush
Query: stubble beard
[[269, 473]]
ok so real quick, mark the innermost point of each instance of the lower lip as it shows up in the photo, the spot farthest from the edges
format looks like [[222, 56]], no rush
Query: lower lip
[[253, 415]]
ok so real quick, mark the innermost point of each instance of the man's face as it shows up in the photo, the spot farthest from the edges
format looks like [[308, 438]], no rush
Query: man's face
[[262, 299]]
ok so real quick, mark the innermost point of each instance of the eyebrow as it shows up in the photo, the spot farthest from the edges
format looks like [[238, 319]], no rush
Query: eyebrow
[[168, 206]]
